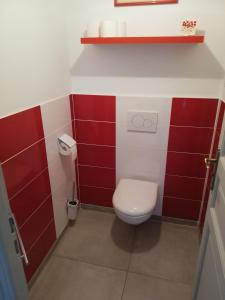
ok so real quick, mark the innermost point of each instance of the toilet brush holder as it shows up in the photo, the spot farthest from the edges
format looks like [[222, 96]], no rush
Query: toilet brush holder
[[72, 208]]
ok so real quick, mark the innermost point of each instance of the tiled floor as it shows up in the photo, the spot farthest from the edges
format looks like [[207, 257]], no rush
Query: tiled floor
[[102, 258]]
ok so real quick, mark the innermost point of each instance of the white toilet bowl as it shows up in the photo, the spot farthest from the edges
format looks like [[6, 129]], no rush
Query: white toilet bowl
[[135, 200]]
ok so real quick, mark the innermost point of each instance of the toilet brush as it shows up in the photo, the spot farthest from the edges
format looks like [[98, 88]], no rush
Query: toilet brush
[[72, 206]]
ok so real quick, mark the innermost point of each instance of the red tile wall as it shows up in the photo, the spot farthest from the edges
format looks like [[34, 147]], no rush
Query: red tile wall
[[94, 129], [218, 128], [190, 138], [24, 163]]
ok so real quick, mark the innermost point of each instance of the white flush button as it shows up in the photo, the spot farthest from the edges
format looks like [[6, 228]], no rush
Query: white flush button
[[143, 121], [138, 121], [148, 123]]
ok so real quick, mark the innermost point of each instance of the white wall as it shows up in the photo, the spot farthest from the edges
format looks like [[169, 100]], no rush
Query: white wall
[[34, 58], [56, 119], [33, 53], [165, 70]]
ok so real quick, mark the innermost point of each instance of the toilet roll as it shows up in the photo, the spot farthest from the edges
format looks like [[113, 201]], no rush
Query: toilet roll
[[67, 146], [108, 29], [69, 152], [74, 153], [121, 28], [92, 29]]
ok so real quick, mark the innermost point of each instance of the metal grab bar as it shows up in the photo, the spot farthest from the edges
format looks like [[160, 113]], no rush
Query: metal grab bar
[[21, 245]]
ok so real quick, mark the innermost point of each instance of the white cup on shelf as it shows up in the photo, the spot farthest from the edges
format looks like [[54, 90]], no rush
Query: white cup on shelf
[[108, 29]]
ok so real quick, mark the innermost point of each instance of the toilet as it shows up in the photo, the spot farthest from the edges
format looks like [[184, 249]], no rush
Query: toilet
[[135, 200]]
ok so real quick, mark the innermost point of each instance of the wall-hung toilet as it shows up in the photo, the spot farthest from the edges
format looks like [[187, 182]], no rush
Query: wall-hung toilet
[[135, 200]]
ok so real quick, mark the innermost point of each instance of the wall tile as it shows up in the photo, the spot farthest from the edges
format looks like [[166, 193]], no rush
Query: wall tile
[[100, 156], [98, 133], [72, 108], [98, 177], [36, 224], [55, 114], [57, 120], [220, 118], [31, 197], [94, 107], [183, 187], [20, 131], [52, 145], [96, 196], [186, 164], [179, 208], [193, 112], [143, 155], [24, 167], [126, 140], [60, 196], [40, 250], [190, 139], [94, 131]]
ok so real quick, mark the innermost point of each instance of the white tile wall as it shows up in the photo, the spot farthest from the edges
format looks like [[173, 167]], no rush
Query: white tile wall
[[55, 114], [56, 119], [142, 155]]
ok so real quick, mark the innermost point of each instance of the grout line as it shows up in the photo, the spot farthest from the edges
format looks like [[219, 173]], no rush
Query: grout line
[[174, 175], [93, 166], [76, 164], [129, 262], [185, 199], [28, 183], [87, 262], [54, 254], [24, 149], [99, 145], [95, 121], [199, 127], [98, 187], [116, 269], [42, 203], [190, 153], [160, 277], [58, 129], [41, 234], [125, 282]]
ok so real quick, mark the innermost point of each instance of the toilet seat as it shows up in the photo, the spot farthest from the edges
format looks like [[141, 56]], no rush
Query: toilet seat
[[135, 198]]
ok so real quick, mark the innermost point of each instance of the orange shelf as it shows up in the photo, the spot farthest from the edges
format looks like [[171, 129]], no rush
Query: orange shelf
[[193, 39]]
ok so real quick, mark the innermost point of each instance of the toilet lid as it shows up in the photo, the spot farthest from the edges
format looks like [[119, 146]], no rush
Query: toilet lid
[[135, 197]]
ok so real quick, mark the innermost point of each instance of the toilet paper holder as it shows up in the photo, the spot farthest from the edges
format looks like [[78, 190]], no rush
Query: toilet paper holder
[[66, 144]]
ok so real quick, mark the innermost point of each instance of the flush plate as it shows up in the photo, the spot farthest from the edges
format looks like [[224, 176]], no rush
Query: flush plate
[[142, 121]]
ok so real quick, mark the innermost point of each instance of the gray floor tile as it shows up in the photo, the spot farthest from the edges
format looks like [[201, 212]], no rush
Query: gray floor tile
[[64, 279], [141, 287], [98, 238], [165, 250]]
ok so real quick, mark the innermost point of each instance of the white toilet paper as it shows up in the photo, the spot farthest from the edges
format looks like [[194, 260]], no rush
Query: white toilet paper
[[108, 29], [69, 152], [67, 146], [74, 153], [121, 28], [93, 29]]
